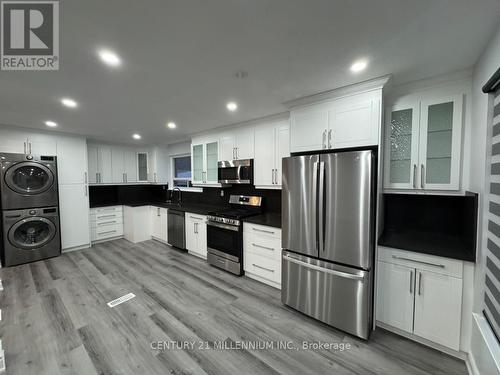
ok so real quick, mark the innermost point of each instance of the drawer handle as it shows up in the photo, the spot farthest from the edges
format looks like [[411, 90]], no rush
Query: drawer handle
[[105, 216], [419, 261], [109, 231], [263, 247], [263, 231], [196, 218], [263, 268], [107, 222]]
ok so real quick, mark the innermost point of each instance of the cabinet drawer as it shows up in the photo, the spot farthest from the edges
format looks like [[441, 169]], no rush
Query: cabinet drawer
[[98, 210], [432, 263], [195, 217], [262, 230], [263, 267], [105, 222], [107, 216], [262, 245], [107, 232]]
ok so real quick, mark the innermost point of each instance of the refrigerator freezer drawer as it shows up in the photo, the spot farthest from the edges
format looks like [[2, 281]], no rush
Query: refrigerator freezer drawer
[[337, 295]]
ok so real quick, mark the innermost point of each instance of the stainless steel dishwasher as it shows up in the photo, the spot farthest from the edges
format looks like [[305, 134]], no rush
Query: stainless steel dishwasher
[[176, 230]]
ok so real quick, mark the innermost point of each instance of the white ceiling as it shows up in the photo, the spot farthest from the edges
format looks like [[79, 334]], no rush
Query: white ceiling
[[180, 59]]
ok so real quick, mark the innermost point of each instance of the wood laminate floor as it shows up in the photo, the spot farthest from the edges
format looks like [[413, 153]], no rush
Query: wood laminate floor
[[56, 321]]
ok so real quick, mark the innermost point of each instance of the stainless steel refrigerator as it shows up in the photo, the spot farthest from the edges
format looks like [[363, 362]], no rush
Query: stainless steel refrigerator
[[328, 238]]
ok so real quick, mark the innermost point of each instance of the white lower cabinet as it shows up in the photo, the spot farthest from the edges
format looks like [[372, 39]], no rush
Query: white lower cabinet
[[420, 294], [136, 223], [196, 234], [159, 223], [106, 223], [74, 216], [262, 253]]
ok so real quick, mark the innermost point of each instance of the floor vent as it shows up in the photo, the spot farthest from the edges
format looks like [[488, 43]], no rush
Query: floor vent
[[122, 299]]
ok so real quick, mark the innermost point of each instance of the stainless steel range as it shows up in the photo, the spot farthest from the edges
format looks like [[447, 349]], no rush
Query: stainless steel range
[[225, 232]]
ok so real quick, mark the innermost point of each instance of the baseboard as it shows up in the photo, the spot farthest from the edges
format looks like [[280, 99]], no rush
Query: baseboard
[[76, 248], [263, 280], [484, 357], [433, 345], [159, 240], [106, 240]]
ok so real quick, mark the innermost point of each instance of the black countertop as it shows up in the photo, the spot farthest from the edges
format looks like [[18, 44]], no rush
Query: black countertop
[[429, 243], [269, 219]]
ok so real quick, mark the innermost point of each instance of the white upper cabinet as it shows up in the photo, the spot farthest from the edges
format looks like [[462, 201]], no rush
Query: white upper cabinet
[[351, 121], [100, 164], [27, 142], [158, 165], [130, 165], [237, 144], [423, 143], [118, 164], [204, 159], [71, 160], [272, 143]]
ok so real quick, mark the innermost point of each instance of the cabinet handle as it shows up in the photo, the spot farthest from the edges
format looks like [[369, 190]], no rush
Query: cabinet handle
[[414, 176], [272, 176], [158, 211], [30, 147], [419, 261], [419, 283], [85, 191], [155, 176], [263, 247], [97, 177], [195, 218], [109, 231], [25, 147], [106, 222], [422, 176], [411, 282], [330, 138], [263, 268], [263, 231], [85, 176], [324, 139], [126, 177]]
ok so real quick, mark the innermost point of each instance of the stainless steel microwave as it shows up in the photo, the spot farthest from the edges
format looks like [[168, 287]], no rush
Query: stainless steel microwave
[[236, 171]]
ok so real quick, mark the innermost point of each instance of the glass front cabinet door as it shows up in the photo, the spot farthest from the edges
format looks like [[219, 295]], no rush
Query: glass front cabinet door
[[423, 144], [198, 164], [402, 132]]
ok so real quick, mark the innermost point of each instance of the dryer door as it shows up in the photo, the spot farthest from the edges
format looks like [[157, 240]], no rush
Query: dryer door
[[32, 233], [29, 178]]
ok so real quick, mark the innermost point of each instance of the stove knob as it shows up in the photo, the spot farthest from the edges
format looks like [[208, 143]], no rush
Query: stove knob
[[32, 212]]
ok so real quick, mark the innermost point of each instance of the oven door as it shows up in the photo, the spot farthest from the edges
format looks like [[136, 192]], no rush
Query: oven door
[[235, 172], [225, 239]]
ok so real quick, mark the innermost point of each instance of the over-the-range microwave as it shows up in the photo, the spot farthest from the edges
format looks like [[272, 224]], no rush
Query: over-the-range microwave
[[236, 171]]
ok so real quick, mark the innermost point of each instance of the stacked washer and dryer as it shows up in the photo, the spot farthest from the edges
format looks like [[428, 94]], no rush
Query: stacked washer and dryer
[[30, 208]]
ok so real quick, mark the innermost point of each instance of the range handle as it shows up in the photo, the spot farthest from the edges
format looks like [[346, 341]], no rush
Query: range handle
[[345, 275]]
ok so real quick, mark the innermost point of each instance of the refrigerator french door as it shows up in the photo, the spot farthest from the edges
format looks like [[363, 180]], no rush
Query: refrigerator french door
[[328, 238]]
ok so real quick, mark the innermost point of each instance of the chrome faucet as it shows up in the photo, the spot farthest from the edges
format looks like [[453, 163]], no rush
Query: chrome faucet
[[179, 199]]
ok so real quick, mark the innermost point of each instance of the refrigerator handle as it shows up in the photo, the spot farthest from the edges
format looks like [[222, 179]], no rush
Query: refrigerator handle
[[325, 270], [321, 207], [315, 198]]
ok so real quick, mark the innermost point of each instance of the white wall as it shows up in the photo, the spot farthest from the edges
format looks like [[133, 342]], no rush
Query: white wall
[[483, 356]]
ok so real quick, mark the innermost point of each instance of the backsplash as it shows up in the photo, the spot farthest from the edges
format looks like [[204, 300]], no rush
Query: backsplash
[[126, 194], [271, 198]]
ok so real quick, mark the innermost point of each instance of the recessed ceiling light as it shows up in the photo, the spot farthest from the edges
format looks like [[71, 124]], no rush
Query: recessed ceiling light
[[69, 102], [171, 125], [109, 57], [232, 106], [359, 66], [136, 136], [52, 124]]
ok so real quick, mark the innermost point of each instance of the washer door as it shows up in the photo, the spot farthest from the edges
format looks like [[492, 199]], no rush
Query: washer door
[[29, 178], [32, 233]]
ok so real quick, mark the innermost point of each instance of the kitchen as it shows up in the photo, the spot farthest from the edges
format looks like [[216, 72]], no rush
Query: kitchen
[[346, 222]]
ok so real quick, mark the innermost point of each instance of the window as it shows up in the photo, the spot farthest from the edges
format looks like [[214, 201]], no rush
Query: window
[[181, 171], [142, 166]]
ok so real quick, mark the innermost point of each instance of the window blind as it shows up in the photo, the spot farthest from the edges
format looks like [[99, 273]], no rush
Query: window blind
[[492, 274]]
